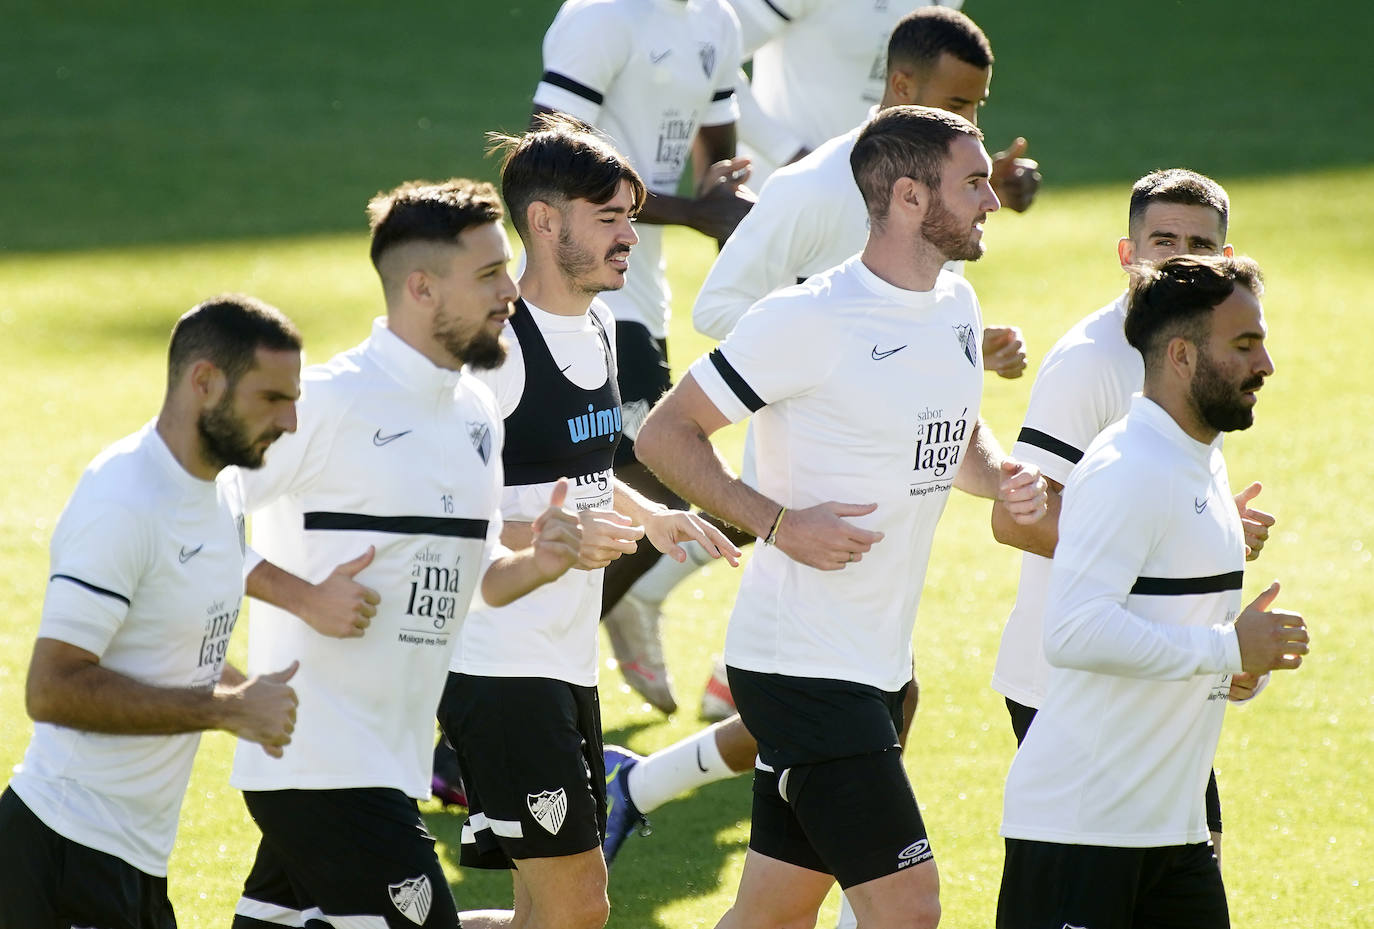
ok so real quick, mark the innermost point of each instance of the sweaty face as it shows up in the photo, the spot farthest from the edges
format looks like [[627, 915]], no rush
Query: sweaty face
[[954, 219], [953, 85], [1232, 364], [594, 242], [474, 294], [1169, 229], [253, 413]]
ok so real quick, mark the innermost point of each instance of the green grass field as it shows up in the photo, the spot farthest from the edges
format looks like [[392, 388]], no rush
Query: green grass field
[[157, 153]]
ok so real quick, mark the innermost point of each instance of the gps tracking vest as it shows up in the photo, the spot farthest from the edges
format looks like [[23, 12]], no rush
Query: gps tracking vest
[[558, 429]]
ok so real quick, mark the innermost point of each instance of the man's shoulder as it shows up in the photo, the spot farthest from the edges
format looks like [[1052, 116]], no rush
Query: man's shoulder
[[1097, 343]]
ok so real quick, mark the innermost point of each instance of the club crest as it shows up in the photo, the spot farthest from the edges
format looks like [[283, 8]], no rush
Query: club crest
[[412, 898], [965, 334], [549, 808], [480, 433], [708, 57]]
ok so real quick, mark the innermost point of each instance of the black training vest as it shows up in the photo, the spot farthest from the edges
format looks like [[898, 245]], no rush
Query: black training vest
[[558, 429]]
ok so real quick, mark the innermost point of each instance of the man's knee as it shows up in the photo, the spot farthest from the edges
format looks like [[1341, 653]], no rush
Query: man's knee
[[587, 910]]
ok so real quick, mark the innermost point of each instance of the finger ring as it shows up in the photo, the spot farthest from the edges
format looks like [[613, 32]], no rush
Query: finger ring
[[851, 556]]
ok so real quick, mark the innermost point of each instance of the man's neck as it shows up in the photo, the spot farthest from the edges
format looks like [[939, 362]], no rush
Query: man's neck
[[1181, 410], [902, 263], [550, 291], [178, 432]]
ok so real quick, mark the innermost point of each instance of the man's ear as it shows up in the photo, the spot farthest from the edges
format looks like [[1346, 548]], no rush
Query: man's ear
[[1181, 355], [543, 220], [1228, 251], [902, 86], [1125, 251], [420, 287], [207, 383], [910, 196]]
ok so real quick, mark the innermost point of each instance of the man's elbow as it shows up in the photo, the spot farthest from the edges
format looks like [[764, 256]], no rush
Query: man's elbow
[[41, 699], [651, 439]]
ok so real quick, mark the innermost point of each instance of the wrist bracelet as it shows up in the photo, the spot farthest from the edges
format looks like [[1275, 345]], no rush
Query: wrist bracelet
[[772, 537]]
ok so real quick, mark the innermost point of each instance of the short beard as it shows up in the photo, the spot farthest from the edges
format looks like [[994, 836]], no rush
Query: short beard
[[577, 265], [485, 351], [480, 350], [941, 229], [223, 440], [1218, 401]]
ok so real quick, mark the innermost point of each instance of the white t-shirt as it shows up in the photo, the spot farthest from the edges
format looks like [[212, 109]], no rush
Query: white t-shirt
[[818, 65], [395, 452], [648, 73], [861, 392], [147, 574], [1084, 385], [1144, 590], [551, 631]]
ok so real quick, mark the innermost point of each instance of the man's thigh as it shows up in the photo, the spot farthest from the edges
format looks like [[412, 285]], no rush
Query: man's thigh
[[1047, 885], [1183, 890], [360, 852], [47, 881], [531, 757]]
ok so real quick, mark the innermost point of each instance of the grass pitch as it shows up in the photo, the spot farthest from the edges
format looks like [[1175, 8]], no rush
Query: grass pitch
[[159, 154]]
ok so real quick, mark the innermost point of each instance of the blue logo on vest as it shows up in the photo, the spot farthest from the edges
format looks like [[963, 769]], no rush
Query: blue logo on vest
[[594, 424]]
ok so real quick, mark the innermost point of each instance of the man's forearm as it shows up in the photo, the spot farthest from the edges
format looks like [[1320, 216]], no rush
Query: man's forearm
[[981, 473], [682, 456], [277, 586], [630, 502], [510, 577], [83, 695], [1038, 538]]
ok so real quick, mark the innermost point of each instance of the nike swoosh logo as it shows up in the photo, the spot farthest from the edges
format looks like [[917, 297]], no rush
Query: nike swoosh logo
[[564, 370], [1199, 507], [186, 556], [699, 764], [656, 58], [379, 440], [879, 356]]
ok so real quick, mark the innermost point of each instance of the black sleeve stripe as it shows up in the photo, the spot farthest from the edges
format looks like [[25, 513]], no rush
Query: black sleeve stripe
[[721, 95], [1050, 444], [1180, 586], [92, 588], [402, 525], [732, 379], [571, 86], [781, 15]]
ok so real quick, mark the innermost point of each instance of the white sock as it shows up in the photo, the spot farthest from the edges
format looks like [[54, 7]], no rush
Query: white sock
[[847, 918], [672, 771], [658, 582]]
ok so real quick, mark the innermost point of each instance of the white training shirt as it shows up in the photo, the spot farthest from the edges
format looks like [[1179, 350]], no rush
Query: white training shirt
[[818, 66], [147, 574], [395, 452], [551, 631], [1084, 385], [861, 392], [648, 73], [1145, 587]]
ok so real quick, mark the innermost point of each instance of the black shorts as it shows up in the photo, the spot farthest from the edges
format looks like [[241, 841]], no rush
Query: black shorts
[[1046, 885], [1022, 716], [830, 792], [361, 852], [48, 881], [643, 376], [530, 752]]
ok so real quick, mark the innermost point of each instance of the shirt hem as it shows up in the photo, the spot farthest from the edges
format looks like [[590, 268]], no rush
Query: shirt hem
[[1105, 839]]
